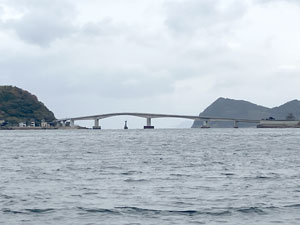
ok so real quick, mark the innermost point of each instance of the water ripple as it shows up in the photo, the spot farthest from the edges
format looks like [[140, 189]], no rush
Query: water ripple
[[211, 176]]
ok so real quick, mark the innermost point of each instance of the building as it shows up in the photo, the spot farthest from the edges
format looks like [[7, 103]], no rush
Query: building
[[22, 124], [279, 124], [44, 124]]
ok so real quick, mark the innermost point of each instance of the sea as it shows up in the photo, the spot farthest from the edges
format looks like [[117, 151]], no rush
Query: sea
[[161, 176]]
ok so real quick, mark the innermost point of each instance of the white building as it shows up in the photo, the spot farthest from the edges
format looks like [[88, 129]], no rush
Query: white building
[[279, 124], [22, 124], [44, 124]]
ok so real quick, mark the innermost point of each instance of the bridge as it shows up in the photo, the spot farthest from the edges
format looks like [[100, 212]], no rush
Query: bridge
[[150, 116]]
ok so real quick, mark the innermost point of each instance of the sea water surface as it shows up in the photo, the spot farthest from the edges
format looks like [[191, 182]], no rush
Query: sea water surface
[[186, 176]]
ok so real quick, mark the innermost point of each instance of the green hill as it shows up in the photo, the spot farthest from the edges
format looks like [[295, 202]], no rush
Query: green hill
[[17, 105]]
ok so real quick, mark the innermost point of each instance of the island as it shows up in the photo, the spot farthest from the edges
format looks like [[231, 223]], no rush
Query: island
[[283, 116], [21, 109]]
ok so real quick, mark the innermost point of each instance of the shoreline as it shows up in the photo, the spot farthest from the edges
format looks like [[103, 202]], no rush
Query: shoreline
[[44, 128]]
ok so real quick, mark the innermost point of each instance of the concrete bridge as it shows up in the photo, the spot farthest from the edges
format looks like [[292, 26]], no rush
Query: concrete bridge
[[150, 116]]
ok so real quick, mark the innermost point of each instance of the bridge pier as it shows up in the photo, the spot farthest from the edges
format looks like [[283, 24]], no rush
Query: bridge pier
[[96, 125], [149, 126], [205, 124], [235, 124], [72, 123]]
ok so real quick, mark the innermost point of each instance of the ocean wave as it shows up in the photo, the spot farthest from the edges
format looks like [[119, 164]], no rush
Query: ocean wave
[[293, 206], [5, 196], [144, 211], [39, 210], [131, 172], [95, 210], [180, 175], [137, 210], [255, 210], [27, 211], [261, 177], [9, 211], [191, 212], [135, 180], [228, 174]]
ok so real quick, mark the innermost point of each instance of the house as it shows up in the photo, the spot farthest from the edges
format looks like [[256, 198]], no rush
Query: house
[[44, 124], [22, 124]]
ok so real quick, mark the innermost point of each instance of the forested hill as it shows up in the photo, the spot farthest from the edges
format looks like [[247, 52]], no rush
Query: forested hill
[[17, 105]]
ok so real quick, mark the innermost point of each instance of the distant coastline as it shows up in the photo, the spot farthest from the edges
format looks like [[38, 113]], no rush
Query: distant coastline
[[44, 128], [231, 108], [21, 110]]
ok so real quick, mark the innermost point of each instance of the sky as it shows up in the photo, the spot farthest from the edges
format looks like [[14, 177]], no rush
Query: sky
[[86, 57]]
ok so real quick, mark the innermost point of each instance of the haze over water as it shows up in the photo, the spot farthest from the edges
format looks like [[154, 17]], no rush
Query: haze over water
[[187, 176]]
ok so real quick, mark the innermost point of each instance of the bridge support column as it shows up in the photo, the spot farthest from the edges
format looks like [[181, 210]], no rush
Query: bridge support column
[[149, 126], [63, 123], [96, 125], [205, 124], [235, 124], [72, 123]]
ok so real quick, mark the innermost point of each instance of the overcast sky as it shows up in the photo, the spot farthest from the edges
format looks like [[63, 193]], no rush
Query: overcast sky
[[83, 57]]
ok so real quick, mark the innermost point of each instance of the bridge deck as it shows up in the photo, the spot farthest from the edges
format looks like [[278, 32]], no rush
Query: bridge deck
[[155, 115]]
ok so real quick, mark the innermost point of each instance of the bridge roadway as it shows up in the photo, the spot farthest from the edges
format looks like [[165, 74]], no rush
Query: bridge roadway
[[150, 116]]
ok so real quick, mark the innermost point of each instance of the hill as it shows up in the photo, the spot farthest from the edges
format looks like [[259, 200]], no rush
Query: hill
[[17, 105], [230, 108]]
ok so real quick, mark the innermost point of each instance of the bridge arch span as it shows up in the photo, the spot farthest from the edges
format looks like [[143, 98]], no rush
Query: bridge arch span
[[150, 116]]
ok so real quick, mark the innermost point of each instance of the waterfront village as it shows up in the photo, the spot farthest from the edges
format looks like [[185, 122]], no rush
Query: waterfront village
[[32, 124]]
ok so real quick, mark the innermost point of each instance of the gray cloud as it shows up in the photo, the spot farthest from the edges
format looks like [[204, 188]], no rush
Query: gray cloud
[[275, 1], [105, 27], [42, 22], [1, 11], [40, 30], [53, 72], [193, 15]]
